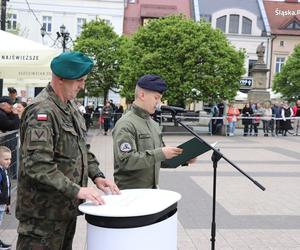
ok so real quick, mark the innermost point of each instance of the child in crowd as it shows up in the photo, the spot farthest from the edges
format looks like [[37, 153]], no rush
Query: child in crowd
[[5, 186]]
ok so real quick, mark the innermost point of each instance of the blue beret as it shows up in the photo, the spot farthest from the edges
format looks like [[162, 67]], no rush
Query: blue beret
[[152, 82], [71, 65]]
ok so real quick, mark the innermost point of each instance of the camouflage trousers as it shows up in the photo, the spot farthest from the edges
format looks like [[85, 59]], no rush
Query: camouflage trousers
[[46, 235]]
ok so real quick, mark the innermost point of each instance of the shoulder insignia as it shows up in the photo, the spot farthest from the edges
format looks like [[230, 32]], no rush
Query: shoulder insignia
[[125, 147], [42, 117], [38, 135]]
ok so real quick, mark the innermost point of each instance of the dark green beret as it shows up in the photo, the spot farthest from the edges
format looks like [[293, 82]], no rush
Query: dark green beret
[[152, 82], [71, 65]]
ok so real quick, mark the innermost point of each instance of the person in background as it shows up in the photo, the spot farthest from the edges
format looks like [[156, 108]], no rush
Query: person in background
[[55, 161], [88, 115], [247, 112], [12, 93], [286, 113], [214, 120], [9, 115], [232, 117], [276, 113], [5, 187], [296, 112], [80, 107], [139, 151], [107, 113], [257, 113], [118, 113], [266, 119], [29, 100]]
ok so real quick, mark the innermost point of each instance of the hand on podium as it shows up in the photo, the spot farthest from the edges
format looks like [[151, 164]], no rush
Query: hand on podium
[[92, 194], [107, 186]]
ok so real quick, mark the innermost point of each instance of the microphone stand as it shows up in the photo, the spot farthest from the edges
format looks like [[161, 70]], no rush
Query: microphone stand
[[216, 156]]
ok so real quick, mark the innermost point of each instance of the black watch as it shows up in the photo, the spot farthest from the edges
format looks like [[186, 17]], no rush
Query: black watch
[[99, 174]]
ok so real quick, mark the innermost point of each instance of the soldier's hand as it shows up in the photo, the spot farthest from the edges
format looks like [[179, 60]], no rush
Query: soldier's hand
[[90, 193], [171, 152], [107, 186]]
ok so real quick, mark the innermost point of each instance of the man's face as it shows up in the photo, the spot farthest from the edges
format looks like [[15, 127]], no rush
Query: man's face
[[5, 159], [151, 100], [70, 88], [6, 107]]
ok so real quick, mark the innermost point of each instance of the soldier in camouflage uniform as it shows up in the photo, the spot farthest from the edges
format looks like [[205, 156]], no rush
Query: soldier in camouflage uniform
[[138, 147], [55, 162]]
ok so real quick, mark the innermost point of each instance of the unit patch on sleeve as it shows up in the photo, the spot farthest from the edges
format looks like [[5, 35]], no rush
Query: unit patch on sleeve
[[38, 135], [125, 147]]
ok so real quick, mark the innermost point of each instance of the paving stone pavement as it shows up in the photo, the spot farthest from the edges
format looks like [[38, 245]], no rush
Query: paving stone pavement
[[246, 217]]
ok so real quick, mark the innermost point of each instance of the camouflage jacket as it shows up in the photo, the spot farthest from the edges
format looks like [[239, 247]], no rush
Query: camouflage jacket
[[54, 159], [137, 150]]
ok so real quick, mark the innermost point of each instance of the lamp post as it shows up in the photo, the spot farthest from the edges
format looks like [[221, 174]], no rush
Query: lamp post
[[63, 35]]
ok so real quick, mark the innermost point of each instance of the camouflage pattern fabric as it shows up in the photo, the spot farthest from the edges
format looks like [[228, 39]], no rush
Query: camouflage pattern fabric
[[137, 150], [54, 160], [46, 235]]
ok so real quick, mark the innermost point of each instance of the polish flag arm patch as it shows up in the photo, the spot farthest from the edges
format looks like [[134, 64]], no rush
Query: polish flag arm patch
[[42, 117]]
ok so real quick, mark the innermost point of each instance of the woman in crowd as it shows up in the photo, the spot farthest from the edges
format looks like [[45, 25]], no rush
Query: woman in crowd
[[266, 118], [232, 116]]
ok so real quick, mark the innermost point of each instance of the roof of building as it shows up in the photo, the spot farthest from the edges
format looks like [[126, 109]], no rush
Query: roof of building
[[284, 18]]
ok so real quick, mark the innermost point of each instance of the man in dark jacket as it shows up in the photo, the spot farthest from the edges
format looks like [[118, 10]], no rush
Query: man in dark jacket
[[8, 116]]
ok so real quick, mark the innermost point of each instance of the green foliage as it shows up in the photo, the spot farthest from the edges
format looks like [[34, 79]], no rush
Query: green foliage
[[287, 82], [196, 61], [100, 42]]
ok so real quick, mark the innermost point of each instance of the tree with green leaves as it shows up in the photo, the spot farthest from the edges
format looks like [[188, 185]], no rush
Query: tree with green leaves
[[287, 81], [197, 62], [100, 42]]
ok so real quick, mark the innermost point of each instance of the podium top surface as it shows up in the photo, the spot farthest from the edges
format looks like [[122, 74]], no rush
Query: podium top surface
[[132, 202]]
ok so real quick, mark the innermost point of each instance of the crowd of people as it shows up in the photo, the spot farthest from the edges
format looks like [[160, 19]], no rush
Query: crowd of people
[[105, 116], [276, 119]]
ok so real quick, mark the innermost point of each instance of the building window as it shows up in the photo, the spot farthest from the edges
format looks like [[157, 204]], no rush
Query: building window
[[206, 17], [11, 21], [47, 23], [246, 26], [279, 63], [250, 66], [221, 23], [294, 25], [281, 43], [80, 23], [234, 24], [131, 1]]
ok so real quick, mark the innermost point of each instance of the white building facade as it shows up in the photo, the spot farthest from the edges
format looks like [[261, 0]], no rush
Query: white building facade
[[28, 16], [245, 26]]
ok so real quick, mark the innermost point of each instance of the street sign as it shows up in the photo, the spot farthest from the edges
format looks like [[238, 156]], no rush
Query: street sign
[[246, 82]]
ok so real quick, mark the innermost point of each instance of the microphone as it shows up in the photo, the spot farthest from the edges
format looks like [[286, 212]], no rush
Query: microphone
[[172, 109]]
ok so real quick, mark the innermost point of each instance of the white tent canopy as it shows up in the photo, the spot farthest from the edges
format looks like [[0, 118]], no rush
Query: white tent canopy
[[23, 60]]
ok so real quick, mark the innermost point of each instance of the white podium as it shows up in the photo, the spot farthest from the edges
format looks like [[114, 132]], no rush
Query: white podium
[[138, 219]]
